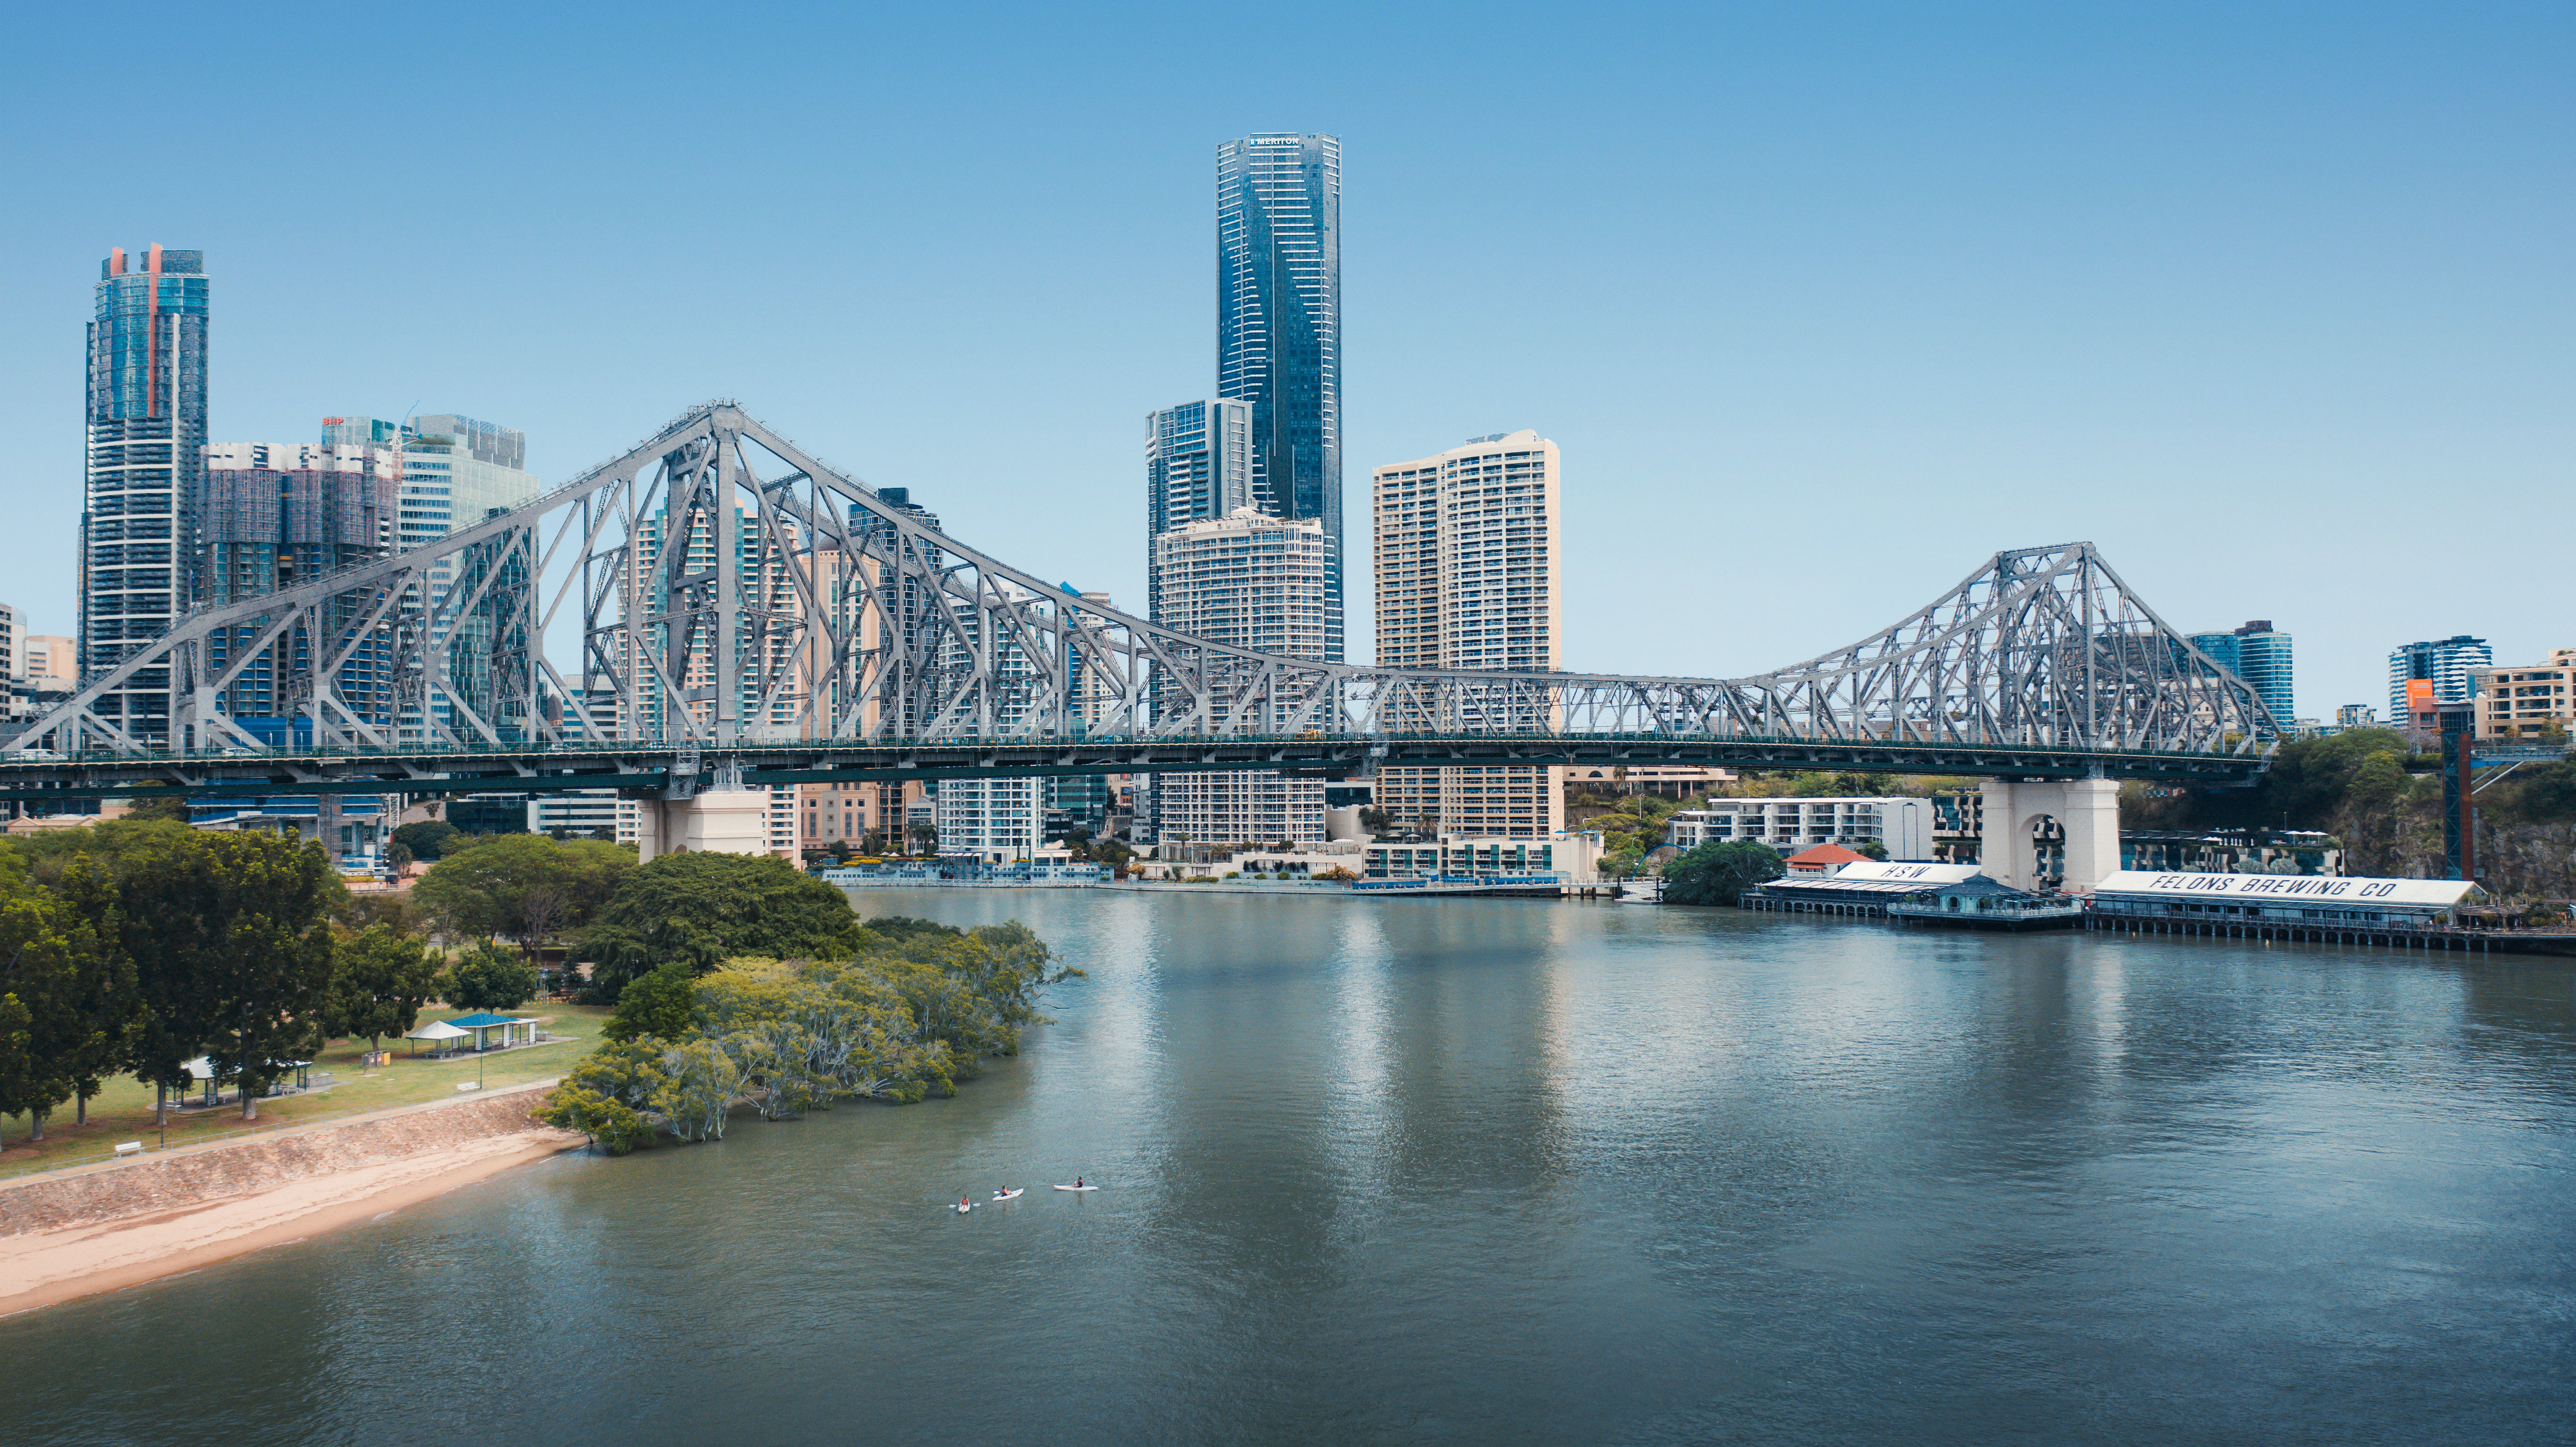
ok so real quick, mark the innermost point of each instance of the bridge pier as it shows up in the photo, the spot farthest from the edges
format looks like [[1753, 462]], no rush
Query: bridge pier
[[712, 821], [2087, 809]]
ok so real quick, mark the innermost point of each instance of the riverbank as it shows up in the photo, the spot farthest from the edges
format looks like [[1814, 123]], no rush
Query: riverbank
[[77, 1233]]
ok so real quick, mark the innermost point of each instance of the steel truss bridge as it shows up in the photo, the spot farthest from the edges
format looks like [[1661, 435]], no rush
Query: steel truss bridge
[[850, 640]]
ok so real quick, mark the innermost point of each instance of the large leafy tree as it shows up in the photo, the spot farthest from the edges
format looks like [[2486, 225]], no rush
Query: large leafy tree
[[488, 977], [701, 909], [232, 936], [40, 965], [105, 1013], [524, 886], [428, 838], [379, 981], [1718, 873]]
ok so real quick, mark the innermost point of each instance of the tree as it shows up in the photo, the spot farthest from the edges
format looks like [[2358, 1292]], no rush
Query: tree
[[40, 967], [429, 838], [105, 1009], [231, 934], [174, 810], [661, 1003], [524, 886], [379, 982], [488, 977], [1871, 849], [700, 909], [611, 1094], [1717, 873]]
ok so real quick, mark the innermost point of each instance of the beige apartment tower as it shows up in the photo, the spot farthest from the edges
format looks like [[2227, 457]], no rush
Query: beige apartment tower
[[1467, 556]]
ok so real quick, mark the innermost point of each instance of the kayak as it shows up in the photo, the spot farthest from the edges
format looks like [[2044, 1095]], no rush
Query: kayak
[[1077, 1188], [1012, 1194], [964, 1206]]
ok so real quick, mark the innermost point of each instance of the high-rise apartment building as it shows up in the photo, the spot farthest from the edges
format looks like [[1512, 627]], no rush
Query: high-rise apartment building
[[1247, 581], [1279, 328], [2259, 654], [277, 515], [2529, 703], [1467, 556], [1198, 464], [142, 488], [13, 646], [2443, 665]]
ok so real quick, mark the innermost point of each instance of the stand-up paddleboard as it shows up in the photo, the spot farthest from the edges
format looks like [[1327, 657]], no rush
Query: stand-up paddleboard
[[1012, 1194], [1077, 1188]]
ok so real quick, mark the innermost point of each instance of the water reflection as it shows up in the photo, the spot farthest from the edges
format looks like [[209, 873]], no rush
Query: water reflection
[[1497, 1171]]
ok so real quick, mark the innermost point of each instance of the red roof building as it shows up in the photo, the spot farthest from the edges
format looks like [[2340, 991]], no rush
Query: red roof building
[[1822, 860]]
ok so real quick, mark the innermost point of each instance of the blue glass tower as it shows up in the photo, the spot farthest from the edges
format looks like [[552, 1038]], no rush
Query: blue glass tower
[[2259, 654], [142, 501], [1279, 327]]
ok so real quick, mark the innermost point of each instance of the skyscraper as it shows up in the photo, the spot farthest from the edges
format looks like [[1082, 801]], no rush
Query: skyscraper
[[2442, 664], [1198, 464], [1256, 582], [1279, 328], [1468, 577], [2259, 654], [142, 476]]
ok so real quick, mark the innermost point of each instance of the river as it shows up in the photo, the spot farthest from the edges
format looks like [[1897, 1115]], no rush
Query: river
[[1492, 1171]]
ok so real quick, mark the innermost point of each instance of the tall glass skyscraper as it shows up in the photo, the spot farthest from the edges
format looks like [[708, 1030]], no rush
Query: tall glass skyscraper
[[2259, 654], [143, 476], [1279, 327]]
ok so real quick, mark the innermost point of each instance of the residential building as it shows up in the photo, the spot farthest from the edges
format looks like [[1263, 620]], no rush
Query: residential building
[[994, 821], [1198, 464], [1467, 558], [276, 515], [1902, 825], [141, 489], [49, 662], [453, 472], [841, 814], [765, 581], [1248, 581], [2356, 716], [2443, 665], [2535, 703], [584, 813], [1279, 329], [13, 646], [1574, 858], [2261, 655], [1665, 781]]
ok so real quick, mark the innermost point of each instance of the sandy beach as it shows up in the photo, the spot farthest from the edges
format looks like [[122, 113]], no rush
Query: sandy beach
[[83, 1235]]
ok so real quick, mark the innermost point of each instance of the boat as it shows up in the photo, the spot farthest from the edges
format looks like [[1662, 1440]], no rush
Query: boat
[[1012, 1194], [1077, 1188]]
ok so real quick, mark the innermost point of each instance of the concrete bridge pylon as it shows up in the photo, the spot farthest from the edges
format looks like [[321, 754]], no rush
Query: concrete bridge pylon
[[2087, 810]]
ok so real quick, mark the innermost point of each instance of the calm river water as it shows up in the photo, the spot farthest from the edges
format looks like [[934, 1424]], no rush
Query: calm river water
[[1493, 1171]]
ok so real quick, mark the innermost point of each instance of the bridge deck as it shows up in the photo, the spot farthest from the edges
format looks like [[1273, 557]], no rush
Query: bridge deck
[[449, 770]]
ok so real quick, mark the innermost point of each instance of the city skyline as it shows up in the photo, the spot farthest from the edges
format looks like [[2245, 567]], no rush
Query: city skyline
[[2119, 360]]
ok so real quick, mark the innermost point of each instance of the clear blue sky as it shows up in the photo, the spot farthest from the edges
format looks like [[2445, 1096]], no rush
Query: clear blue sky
[[1823, 303]]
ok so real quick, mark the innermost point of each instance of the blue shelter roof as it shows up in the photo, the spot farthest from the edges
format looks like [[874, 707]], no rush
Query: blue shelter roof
[[483, 1021]]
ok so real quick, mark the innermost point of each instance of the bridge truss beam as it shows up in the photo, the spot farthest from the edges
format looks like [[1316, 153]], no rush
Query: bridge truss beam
[[844, 620]]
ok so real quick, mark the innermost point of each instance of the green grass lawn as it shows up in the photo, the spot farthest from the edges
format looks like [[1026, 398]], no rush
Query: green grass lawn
[[122, 1111]]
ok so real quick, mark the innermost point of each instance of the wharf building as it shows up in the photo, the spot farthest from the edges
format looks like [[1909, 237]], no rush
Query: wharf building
[[2261, 655], [142, 481], [1279, 330], [1245, 580], [2532, 703], [2424, 675], [1468, 577]]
